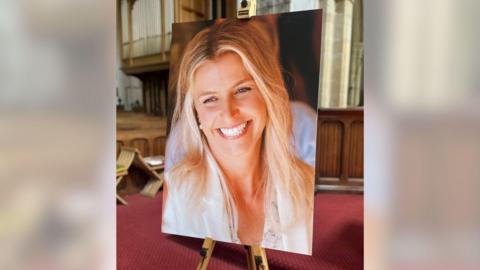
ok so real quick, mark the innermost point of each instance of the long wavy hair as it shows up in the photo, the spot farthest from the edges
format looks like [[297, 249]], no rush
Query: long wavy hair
[[285, 174]]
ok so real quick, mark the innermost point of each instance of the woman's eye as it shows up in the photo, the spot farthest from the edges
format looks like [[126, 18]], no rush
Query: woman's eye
[[243, 90], [210, 99]]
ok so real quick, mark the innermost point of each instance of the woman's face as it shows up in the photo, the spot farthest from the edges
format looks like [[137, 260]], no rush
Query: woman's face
[[230, 108]]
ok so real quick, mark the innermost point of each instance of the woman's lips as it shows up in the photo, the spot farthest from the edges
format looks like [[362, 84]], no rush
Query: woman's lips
[[234, 132]]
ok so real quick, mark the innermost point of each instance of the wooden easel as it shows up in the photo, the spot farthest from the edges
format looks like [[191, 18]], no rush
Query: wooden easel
[[256, 256]]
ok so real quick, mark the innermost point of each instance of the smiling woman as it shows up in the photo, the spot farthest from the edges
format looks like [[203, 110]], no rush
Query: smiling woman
[[238, 179]]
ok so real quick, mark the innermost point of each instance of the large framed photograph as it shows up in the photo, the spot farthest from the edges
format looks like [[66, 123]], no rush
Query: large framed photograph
[[241, 148]]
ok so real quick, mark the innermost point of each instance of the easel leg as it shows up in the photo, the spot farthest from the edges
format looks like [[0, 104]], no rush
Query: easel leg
[[119, 178], [121, 200], [256, 258], [206, 253]]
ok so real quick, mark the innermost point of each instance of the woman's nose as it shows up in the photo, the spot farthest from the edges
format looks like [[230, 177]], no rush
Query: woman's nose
[[230, 108]]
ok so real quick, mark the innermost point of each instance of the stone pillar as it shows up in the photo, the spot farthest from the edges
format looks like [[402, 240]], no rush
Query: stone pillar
[[356, 73], [356, 63], [326, 58], [335, 63]]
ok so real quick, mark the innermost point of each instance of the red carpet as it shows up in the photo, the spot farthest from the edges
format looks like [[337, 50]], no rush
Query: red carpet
[[337, 240]]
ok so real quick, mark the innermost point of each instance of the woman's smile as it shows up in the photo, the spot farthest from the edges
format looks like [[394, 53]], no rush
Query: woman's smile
[[234, 132]]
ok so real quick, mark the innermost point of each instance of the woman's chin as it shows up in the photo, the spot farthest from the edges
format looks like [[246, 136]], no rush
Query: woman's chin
[[234, 149]]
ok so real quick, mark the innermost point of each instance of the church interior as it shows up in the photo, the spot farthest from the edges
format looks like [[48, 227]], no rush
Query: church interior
[[143, 42]]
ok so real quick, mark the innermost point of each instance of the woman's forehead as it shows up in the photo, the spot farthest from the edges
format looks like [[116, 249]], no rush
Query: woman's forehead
[[222, 59], [223, 71]]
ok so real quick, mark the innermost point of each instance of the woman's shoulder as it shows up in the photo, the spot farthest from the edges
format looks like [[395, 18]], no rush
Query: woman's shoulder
[[196, 213]]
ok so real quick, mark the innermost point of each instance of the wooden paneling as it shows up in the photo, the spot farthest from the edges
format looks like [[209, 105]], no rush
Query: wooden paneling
[[330, 134], [142, 145], [154, 92], [159, 146], [147, 143], [188, 10], [339, 155], [154, 86], [147, 133], [356, 150]]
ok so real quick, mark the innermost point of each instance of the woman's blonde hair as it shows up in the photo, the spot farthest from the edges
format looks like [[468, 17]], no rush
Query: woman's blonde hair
[[285, 173]]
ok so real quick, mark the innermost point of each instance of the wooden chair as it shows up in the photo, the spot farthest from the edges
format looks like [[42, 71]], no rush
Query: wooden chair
[[124, 161], [155, 166], [132, 156]]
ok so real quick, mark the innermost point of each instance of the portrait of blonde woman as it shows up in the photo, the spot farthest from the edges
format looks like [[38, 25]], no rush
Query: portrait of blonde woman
[[235, 176]]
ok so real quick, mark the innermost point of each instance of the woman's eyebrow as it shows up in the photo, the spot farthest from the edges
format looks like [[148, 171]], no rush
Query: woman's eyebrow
[[206, 93], [241, 81]]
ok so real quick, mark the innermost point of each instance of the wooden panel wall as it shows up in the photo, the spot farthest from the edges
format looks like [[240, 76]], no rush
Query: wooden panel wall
[[189, 11], [155, 86], [355, 169], [328, 143], [147, 145], [339, 158], [145, 132]]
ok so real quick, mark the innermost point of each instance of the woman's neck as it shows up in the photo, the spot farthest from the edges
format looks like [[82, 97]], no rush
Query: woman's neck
[[244, 173]]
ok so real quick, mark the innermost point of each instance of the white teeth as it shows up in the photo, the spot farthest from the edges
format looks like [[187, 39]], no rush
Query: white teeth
[[235, 131]]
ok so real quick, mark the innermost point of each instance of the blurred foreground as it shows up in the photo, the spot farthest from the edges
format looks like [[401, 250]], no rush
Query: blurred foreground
[[57, 124], [422, 135]]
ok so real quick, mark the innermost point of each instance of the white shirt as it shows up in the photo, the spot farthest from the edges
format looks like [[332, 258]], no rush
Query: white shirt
[[214, 216]]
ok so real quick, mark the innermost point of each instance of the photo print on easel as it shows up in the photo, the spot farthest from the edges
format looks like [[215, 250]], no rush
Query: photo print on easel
[[240, 153]]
